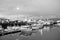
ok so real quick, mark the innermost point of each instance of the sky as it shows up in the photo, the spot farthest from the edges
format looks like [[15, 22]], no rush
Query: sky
[[30, 7]]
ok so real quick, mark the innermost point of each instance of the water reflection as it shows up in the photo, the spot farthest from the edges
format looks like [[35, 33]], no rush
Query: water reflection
[[50, 35]]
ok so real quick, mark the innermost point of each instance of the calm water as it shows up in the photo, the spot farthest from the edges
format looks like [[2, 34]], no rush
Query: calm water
[[54, 34]]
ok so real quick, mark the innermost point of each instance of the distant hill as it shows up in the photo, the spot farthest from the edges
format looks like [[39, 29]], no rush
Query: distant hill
[[55, 19], [22, 17]]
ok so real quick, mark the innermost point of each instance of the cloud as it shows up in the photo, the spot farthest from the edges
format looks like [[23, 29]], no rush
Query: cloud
[[39, 7]]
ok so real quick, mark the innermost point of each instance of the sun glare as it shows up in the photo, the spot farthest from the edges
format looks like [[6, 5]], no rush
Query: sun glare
[[17, 8]]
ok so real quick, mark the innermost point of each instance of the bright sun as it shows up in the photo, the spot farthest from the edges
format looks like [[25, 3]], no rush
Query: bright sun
[[17, 8]]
